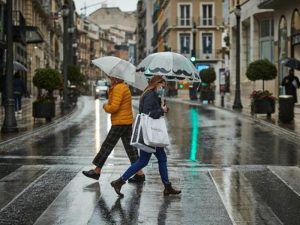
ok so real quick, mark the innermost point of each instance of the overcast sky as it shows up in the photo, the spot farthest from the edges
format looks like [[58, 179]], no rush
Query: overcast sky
[[124, 5]]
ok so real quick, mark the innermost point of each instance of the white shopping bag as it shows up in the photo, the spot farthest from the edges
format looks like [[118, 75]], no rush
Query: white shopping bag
[[155, 131], [137, 139]]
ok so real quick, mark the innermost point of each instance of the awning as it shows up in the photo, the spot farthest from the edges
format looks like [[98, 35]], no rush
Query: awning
[[33, 35], [270, 4]]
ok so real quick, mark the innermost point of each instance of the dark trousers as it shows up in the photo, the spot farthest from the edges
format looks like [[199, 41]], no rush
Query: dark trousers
[[115, 133], [18, 102]]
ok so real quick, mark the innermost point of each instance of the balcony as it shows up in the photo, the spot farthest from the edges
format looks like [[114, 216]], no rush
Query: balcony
[[184, 22], [201, 55], [209, 22]]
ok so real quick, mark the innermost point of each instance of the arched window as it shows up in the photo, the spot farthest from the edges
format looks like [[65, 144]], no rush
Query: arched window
[[282, 50], [295, 22], [282, 38], [295, 31]]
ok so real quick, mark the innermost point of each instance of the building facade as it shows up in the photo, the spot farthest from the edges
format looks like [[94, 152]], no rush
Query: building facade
[[121, 28], [269, 29], [286, 26], [191, 28]]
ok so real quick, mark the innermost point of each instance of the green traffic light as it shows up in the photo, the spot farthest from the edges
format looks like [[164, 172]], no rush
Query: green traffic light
[[193, 59]]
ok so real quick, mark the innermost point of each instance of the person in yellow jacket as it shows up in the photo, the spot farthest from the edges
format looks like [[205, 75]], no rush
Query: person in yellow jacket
[[119, 105]]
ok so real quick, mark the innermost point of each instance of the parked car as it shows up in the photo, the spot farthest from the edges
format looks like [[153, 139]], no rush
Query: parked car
[[101, 89]]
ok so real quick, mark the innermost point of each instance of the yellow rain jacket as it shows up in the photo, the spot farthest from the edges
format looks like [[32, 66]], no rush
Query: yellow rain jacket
[[119, 104]]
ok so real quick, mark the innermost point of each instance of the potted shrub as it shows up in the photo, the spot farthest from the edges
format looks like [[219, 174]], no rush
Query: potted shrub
[[207, 87], [262, 102], [49, 80]]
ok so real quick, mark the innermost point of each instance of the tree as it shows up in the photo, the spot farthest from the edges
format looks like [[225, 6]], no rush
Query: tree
[[261, 69], [75, 76]]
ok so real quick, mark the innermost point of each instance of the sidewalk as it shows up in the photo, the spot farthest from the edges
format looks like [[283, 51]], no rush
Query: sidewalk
[[27, 124], [292, 129]]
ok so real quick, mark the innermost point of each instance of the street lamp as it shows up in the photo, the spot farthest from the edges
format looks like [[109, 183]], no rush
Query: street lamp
[[65, 14], [237, 99], [193, 86], [9, 123], [194, 31]]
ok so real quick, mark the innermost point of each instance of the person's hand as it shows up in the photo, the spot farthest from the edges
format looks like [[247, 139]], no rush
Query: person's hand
[[164, 108]]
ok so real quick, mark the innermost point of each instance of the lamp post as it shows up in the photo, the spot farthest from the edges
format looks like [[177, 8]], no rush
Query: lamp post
[[194, 31], [9, 123], [193, 86], [237, 99], [65, 14]]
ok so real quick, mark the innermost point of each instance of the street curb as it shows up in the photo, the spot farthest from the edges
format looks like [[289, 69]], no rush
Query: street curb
[[291, 135], [40, 129]]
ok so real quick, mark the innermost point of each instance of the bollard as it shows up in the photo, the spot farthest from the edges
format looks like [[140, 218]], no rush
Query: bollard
[[286, 108]]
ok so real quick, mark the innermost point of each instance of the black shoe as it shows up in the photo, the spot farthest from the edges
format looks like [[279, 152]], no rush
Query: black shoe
[[137, 179], [91, 174], [117, 185]]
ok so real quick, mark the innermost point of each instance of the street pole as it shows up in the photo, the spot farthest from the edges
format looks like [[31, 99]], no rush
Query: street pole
[[9, 123], [65, 14], [71, 29], [237, 100], [194, 31]]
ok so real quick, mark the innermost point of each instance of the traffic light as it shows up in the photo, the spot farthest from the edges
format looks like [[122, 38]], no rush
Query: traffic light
[[193, 57]]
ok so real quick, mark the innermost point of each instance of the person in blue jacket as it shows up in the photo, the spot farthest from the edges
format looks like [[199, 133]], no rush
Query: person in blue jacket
[[150, 104], [18, 91]]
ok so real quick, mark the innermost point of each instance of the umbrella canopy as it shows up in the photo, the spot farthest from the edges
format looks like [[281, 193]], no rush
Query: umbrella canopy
[[292, 63], [116, 67], [140, 82], [19, 67], [171, 65]]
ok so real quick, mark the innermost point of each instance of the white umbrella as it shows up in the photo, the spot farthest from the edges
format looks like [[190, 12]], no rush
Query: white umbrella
[[140, 82], [19, 67], [171, 65], [116, 67]]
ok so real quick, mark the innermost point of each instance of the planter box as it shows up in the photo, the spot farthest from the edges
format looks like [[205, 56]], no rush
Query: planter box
[[207, 95], [43, 110], [263, 106]]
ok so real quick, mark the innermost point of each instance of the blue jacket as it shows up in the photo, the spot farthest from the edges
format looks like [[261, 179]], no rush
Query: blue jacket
[[150, 105], [18, 86]]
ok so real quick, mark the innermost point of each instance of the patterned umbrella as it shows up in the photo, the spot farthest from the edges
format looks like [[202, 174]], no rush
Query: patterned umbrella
[[173, 66]]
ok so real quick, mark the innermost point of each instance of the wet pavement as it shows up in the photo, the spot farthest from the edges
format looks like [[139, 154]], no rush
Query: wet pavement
[[231, 170]]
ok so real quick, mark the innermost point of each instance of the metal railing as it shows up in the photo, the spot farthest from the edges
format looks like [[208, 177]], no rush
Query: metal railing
[[184, 22]]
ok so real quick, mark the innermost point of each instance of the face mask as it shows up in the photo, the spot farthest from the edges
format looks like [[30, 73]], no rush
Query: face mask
[[160, 91]]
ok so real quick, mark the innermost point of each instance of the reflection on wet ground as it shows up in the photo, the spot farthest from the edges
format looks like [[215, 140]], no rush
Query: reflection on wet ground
[[225, 138], [230, 169]]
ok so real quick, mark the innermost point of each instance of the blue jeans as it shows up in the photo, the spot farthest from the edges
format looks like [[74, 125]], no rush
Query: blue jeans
[[143, 161], [18, 102]]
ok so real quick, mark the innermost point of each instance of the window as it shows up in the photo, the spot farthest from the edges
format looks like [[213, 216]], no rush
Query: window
[[185, 15], [207, 15], [266, 39], [185, 41], [207, 43]]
